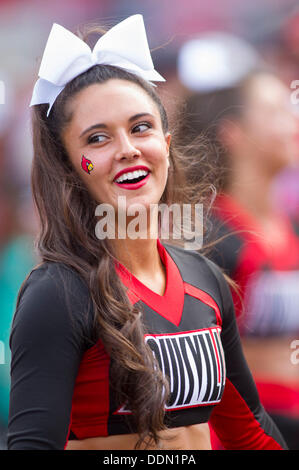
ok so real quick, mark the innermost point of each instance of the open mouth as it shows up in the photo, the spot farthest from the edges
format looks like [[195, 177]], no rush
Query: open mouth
[[132, 177]]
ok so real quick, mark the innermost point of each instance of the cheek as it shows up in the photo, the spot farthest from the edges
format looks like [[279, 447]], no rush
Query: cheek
[[90, 166], [86, 165], [93, 173], [155, 152]]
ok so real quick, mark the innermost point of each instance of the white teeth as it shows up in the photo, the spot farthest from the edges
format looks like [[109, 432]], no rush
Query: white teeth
[[131, 175]]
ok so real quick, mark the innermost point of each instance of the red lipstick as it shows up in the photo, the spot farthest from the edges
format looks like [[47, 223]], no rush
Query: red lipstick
[[132, 168], [133, 185], [136, 185]]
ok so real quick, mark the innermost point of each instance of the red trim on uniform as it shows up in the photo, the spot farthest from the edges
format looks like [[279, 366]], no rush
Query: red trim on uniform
[[90, 405], [217, 356], [236, 425], [133, 298], [205, 298], [170, 304], [216, 328]]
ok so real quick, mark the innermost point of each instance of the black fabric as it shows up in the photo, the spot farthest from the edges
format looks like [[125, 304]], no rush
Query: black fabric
[[53, 327], [288, 427], [47, 342], [227, 245]]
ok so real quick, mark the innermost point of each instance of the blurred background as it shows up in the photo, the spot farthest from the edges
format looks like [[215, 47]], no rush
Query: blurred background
[[269, 31]]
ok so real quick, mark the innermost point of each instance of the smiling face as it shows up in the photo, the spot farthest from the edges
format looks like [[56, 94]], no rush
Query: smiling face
[[116, 130]]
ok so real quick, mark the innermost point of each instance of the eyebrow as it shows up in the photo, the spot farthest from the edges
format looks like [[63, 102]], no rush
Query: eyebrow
[[104, 126]]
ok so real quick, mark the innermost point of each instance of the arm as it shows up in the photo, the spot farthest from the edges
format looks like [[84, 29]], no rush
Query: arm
[[240, 420], [46, 347]]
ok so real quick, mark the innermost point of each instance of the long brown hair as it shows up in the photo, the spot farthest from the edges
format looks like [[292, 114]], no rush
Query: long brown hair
[[67, 235]]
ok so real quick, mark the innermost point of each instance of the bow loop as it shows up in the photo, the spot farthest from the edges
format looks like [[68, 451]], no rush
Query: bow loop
[[128, 40], [66, 56]]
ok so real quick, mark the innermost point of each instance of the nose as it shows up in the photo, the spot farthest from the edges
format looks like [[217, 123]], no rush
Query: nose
[[125, 148]]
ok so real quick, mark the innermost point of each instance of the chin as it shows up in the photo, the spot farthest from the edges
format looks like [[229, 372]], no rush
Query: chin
[[145, 204]]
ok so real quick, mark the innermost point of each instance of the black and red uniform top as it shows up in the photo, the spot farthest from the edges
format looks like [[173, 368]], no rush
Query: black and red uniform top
[[267, 274], [60, 386]]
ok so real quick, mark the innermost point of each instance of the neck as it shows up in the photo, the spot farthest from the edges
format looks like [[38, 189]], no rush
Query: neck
[[138, 256]]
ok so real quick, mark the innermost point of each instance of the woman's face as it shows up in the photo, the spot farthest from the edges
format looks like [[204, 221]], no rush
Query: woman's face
[[269, 124], [116, 143]]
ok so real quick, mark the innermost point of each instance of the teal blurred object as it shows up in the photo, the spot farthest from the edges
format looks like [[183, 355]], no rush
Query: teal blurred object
[[16, 261]]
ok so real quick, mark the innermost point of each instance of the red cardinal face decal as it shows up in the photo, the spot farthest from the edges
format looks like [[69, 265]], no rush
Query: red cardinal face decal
[[86, 165]]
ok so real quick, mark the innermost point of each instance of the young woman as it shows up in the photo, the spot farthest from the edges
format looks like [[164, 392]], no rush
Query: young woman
[[120, 343], [255, 134]]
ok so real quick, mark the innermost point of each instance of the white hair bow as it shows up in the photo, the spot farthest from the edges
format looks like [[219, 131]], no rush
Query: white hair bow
[[66, 56]]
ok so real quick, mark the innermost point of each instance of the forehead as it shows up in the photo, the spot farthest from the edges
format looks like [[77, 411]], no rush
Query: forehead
[[109, 102]]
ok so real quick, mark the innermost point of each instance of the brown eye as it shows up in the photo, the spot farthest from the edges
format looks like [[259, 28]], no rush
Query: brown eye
[[142, 127], [97, 138]]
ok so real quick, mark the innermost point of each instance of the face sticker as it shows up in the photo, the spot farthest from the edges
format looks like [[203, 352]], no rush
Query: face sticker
[[86, 165]]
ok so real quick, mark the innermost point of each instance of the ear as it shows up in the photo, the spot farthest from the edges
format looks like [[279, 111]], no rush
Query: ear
[[168, 140]]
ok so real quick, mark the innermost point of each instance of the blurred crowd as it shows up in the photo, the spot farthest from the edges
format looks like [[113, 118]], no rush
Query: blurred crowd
[[231, 69]]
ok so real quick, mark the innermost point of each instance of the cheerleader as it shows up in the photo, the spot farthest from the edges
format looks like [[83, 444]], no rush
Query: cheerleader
[[119, 343]]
